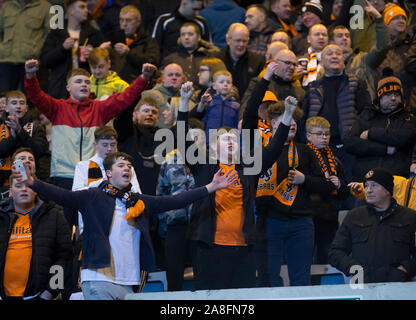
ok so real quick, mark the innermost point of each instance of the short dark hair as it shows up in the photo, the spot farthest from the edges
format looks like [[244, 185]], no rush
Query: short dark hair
[[68, 3], [105, 133], [260, 7], [113, 157], [20, 150], [332, 30], [192, 24], [77, 72]]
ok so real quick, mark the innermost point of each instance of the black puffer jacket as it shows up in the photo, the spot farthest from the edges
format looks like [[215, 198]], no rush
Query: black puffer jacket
[[397, 129], [379, 242], [51, 243]]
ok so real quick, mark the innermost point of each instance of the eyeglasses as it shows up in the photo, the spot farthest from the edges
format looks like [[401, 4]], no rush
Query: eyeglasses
[[289, 63], [321, 134]]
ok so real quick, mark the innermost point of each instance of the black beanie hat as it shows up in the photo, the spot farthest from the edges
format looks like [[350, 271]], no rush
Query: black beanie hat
[[381, 176]]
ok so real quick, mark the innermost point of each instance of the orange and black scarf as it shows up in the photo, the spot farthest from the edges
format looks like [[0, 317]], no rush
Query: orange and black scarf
[[331, 170], [134, 206], [94, 172]]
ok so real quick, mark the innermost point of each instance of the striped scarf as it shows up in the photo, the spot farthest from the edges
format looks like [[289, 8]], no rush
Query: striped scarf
[[94, 172], [289, 28], [312, 68], [134, 207], [331, 170], [5, 163]]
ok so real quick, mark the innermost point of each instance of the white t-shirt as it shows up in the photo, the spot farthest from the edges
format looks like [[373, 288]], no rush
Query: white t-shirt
[[125, 252]]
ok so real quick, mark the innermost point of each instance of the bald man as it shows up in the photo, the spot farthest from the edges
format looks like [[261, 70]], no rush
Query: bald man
[[239, 61], [317, 40]]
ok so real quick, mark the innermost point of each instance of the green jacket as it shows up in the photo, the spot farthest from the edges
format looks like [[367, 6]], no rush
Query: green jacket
[[103, 88], [364, 39], [23, 29], [363, 64]]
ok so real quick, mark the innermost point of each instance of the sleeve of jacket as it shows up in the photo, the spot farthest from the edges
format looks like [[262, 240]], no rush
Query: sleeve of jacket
[[247, 95], [377, 54], [361, 147], [148, 54], [340, 249], [158, 31], [37, 142], [172, 180], [271, 153], [255, 97], [118, 102], [65, 198], [411, 57], [362, 97], [156, 204], [63, 246], [53, 53], [7, 145], [410, 264], [314, 179], [402, 137], [42, 101]]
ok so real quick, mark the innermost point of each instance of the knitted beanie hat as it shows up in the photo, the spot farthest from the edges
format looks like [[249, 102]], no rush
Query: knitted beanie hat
[[389, 83], [393, 11], [381, 176], [315, 7]]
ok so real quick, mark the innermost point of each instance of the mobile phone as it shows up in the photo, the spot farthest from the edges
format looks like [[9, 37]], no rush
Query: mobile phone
[[18, 164]]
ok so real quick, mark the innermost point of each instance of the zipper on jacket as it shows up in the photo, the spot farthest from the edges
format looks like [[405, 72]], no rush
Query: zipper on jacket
[[222, 112], [82, 132]]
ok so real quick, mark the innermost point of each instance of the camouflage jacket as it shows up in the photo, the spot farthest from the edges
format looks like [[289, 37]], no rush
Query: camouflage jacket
[[174, 178]]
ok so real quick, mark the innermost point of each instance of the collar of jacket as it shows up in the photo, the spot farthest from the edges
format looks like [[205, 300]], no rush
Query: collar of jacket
[[25, 119], [228, 55], [7, 206], [395, 112], [384, 214], [403, 38]]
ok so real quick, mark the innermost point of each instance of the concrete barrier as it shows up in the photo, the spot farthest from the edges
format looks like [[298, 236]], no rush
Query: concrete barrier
[[379, 291]]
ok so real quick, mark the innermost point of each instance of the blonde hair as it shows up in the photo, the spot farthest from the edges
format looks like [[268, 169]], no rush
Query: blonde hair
[[96, 54], [221, 73], [317, 122]]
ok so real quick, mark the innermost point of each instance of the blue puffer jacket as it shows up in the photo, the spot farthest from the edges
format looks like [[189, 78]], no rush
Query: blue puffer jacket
[[221, 112], [220, 15]]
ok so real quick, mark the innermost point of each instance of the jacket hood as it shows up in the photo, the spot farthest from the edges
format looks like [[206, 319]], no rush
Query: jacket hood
[[223, 5], [7, 206], [167, 91], [113, 77]]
